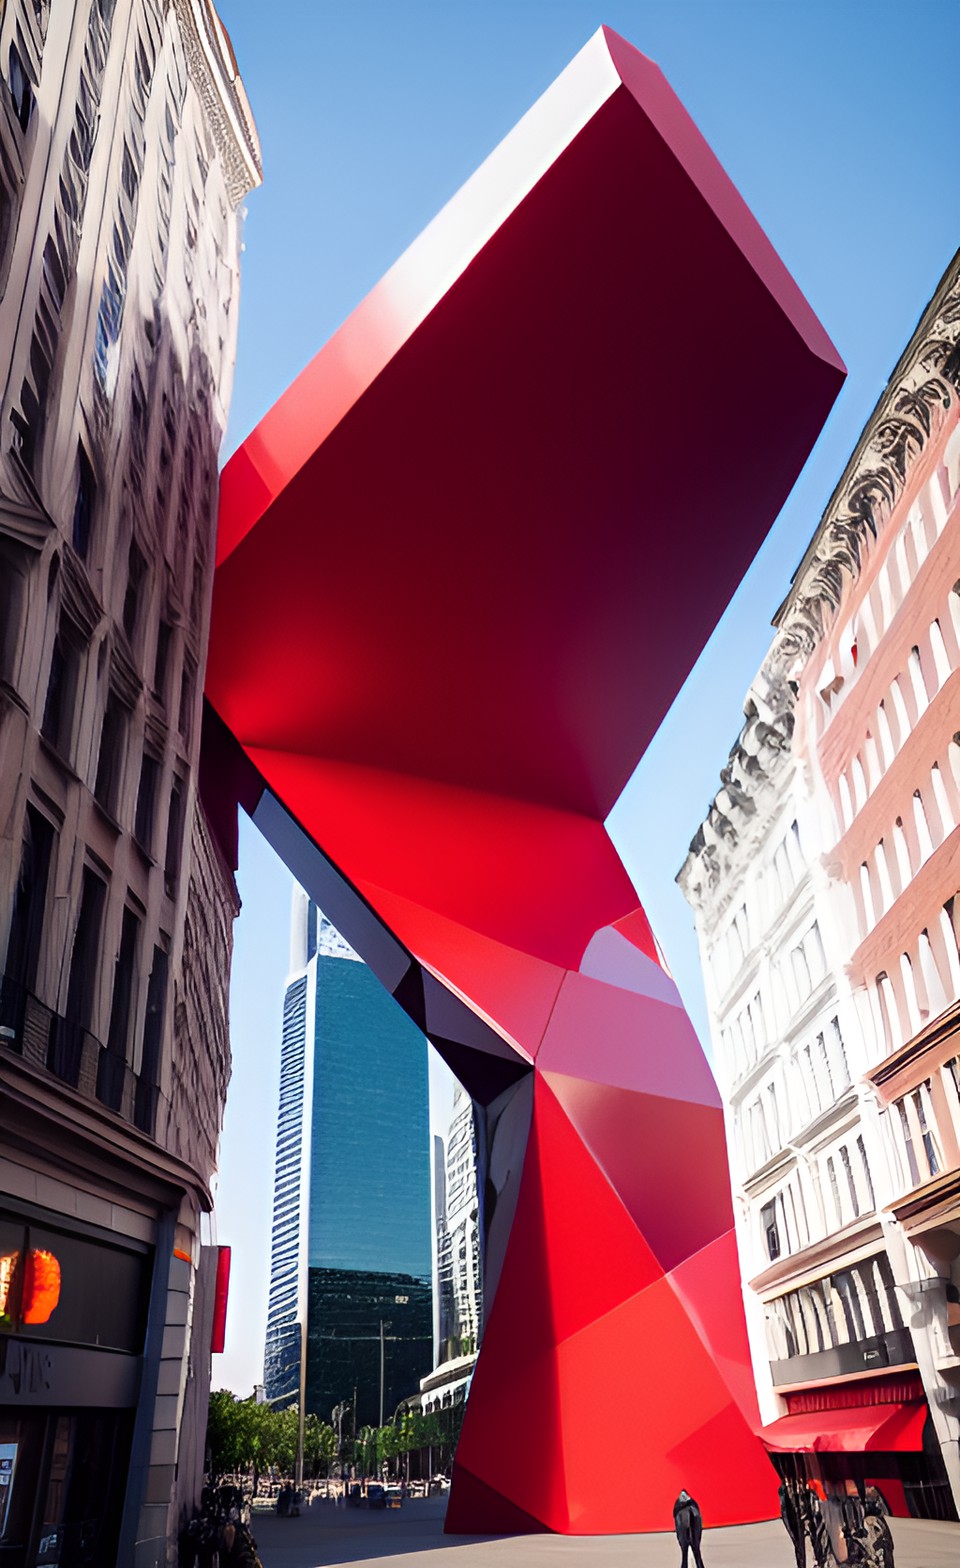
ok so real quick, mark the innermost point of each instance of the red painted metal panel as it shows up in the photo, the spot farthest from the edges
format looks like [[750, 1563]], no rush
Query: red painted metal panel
[[465, 565], [864, 1429], [218, 1335]]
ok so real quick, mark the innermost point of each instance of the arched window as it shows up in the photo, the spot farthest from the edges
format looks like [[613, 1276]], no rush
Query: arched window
[[904, 869], [946, 823], [923, 829], [948, 928], [883, 877], [917, 682], [866, 894], [914, 1015], [846, 804], [941, 662], [930, 978], [900, 713], [859, 783], [892, 1032], [887, 748]]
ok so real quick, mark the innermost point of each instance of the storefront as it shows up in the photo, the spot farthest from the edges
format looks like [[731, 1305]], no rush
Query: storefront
[[73, 1314]]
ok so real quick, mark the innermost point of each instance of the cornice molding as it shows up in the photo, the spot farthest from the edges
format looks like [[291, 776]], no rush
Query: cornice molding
[[920, 393], [924, 387], [212, 66]]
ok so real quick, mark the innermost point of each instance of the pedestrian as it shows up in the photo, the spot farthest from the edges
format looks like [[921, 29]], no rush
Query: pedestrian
[[688, 1523], [792, 1518], [238, 1547]]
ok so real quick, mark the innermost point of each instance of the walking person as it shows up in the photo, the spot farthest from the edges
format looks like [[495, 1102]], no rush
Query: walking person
[[688, 1523], [790, 1513]]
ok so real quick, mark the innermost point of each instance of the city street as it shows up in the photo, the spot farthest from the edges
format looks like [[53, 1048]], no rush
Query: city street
[[412, 1537]]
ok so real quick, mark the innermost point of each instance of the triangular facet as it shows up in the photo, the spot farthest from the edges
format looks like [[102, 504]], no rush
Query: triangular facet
[[476, 1509], [665, 1158]]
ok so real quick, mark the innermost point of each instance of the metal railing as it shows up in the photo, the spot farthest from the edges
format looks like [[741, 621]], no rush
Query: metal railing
[[72, 1054]]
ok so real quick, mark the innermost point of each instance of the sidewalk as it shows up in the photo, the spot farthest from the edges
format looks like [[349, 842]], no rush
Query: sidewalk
[[412, 1537]]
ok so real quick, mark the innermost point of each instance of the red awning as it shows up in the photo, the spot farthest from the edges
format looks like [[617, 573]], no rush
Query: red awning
[[870, 1429]]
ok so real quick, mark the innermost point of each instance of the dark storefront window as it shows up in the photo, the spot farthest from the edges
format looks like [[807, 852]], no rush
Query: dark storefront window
[[66, 1288], [102, 1294], [66, 1473], [848, 1322]]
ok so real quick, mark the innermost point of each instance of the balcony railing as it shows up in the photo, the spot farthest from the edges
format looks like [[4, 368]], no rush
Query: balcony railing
[[72, 1054]]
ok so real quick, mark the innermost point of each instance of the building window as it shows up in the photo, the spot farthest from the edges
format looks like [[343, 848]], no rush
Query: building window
[[174, 837], [771, 1232], [27, 922], [12, 586], [147, 802], [83, 509], [840, 1055], [21, 91], [187, 688], [66, 1043], [136, 572], [824, 1057], [145, 1103], [162, 661], [851, 1184], [912, 1166], [111, 1070], [865, 1167], [924, 1110], [834, 1189], [81, 991], [846, 1308], [62, 684], [113, 734]]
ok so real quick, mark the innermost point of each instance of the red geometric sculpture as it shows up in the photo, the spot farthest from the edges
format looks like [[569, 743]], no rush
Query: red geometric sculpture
[[465, 564]]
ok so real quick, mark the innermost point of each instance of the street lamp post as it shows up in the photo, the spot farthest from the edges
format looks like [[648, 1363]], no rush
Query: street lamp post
[[400, 1301], [383, 1325]]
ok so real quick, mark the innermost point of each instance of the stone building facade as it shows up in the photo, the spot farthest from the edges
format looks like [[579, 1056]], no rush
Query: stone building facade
[[824, 880], [126, 149]]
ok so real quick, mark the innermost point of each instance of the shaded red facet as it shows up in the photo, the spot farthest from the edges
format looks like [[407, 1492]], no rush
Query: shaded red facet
[[465, 565]]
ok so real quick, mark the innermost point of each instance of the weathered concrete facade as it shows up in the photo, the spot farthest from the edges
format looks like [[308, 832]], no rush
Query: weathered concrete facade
[[126, 147]]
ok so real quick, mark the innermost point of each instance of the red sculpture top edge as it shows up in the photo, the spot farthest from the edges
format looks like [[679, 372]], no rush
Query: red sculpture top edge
[[505, 505]]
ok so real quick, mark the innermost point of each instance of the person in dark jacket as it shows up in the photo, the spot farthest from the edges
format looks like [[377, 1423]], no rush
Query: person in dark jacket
[[238, 1547], [790, 1513], [688, 1523]]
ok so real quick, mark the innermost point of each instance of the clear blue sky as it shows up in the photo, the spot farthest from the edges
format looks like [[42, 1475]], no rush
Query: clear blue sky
[[834, 119]]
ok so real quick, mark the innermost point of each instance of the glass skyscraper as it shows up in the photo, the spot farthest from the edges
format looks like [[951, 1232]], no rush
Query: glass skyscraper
[[351, 1227]]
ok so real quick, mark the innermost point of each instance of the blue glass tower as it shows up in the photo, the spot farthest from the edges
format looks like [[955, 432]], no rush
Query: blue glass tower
[[351, 1265]]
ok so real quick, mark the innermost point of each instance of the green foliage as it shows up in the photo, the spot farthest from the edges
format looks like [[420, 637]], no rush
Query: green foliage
[[243, 1436]]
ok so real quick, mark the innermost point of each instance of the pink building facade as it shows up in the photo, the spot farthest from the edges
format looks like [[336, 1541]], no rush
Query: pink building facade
[[826, 886]]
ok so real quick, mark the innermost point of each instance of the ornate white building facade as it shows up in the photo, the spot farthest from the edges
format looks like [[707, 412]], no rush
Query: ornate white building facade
[[823, 882]]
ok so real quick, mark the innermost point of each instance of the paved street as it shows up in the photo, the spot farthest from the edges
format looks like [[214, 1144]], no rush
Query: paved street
[[412, 1537]]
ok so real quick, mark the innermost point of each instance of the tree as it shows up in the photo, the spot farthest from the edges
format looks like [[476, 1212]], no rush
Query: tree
[[319, 1445]]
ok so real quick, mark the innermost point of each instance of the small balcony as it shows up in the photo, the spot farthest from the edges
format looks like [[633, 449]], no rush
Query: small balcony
[[61, 1046]]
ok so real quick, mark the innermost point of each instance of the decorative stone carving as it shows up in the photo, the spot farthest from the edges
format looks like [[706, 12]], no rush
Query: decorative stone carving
[[919, 395]]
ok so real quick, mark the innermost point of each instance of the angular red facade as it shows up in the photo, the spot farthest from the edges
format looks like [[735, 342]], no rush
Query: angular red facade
[[465, 564]]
